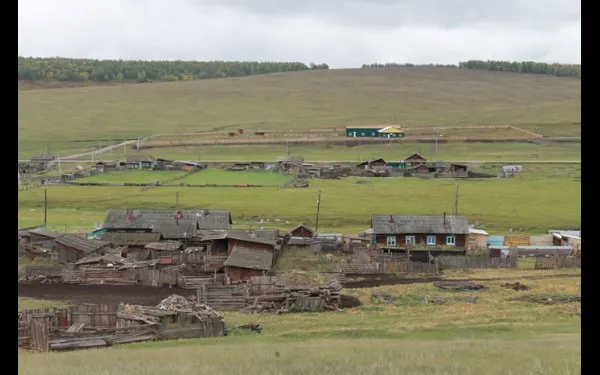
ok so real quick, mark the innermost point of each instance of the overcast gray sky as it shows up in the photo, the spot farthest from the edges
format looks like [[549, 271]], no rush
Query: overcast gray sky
[[342, 33]]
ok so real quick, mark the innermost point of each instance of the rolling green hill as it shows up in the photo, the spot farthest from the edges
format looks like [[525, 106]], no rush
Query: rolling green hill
[[73, 119]]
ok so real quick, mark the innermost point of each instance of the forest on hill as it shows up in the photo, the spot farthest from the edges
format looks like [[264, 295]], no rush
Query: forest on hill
[[531, 67], [83, 70], [58, 69]]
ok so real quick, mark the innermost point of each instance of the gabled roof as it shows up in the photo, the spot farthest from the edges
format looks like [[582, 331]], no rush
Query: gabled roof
[[45, 233], [380, 160], [248, 237], [164, 246], [311, 230], [478, 231], [413, 224], [366, 126], [80, 244], [415, 156], [391, 129], [149, 219], [128, 238], [251, 259], [139, 158], [177, 229]]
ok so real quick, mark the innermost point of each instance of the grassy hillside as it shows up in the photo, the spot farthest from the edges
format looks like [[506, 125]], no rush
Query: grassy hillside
[[68, 119]]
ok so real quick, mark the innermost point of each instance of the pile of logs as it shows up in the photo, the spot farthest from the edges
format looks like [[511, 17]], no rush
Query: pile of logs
[[298, 297], [41, 279], [97, 338]]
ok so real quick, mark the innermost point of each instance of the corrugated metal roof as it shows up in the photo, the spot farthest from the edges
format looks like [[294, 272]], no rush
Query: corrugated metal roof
[[252, 259], [409, 224], [135, 239], [149, 219], [80, 244]]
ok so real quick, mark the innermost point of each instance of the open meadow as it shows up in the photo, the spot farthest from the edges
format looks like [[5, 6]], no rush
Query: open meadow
[[527, 204], [75, 119], [491, 334], [510, 151]]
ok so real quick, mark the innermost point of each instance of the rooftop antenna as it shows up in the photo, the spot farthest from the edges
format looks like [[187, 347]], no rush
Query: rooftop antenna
[[456, 201]]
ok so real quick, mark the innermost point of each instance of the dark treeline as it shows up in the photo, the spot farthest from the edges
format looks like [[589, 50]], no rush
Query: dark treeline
[[559, 70], [82, 70]]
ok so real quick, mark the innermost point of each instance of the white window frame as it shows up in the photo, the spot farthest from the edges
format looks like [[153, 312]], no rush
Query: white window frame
[[429, 237], [451, 237], [410, 240], [390, 241]]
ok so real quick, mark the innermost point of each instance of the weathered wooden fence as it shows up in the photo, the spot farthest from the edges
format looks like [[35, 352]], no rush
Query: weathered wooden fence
[[557, 262], [459, 262], [390, 268], [42, 270], [223, 297], [34, 325]]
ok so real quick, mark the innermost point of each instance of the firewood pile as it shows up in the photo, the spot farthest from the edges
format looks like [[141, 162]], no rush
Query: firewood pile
[[298, 292], [41, 279], [189, 304]]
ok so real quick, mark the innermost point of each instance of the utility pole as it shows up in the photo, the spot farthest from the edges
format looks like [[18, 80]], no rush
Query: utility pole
[[456, 201], [58, 160], [177, 199], [436, 137], [394, 120], [92, 154], [45, 208], [138, 144], [318, 209], [19, 177]]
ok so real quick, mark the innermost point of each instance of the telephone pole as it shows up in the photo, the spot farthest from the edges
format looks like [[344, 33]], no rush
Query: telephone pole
[[46, 209], [456, 201], [177, 199], [318, 209]]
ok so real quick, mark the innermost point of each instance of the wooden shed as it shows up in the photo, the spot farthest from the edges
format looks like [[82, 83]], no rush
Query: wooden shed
[[249, 241], [72, 248], [135, 242], [243, 263], [303, 230], [163, 249]]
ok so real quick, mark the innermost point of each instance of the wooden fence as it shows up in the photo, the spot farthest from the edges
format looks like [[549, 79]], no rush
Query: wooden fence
[[390, 268], [557, 262], [34, 325], [460, 262], [42, 270], [223, 297]]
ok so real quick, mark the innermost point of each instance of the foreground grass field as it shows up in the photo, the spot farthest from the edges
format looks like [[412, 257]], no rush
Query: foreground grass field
[[312, 99], [525, 205], [492, 336], [390, 152]]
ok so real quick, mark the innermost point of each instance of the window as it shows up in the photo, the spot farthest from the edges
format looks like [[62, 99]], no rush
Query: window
[[430, 240], [410, 240], [451, 240], [363, 134], [391, 241]]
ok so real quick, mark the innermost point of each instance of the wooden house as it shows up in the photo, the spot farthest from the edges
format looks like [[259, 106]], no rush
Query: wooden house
[[303, 230], [373, 164], [135, 242], [243, 263], [458, 170], [567, 238], [43, 238], [72, 248], [106, 166], [139, 162], [161, 249], [249, 240], [427, 231], [477, 239], [413, 160], [418, 169]]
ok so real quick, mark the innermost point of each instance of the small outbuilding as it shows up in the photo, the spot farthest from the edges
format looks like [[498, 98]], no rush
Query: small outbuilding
[[72, 248], [243, 263], [477, 239], [303, 230]]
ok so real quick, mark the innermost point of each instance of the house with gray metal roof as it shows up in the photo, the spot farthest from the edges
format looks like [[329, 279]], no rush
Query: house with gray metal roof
[[420, 230]]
